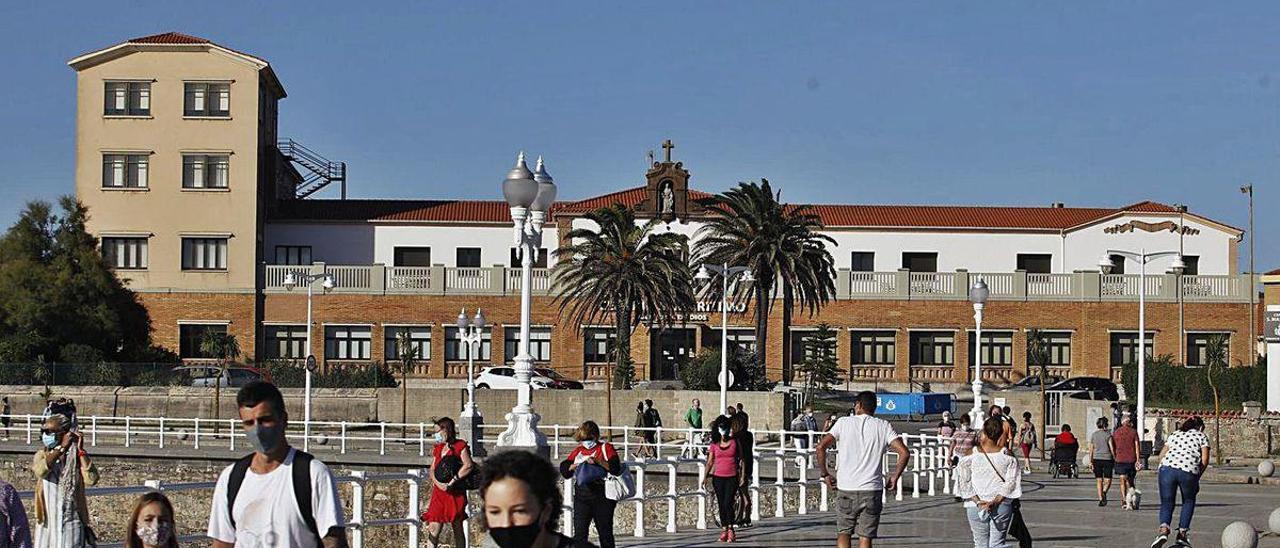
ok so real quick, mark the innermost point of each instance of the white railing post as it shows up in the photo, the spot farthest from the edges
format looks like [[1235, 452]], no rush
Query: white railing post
[[915, 472], [93, 434], [162, 432], [231, 432], [755, 486], [422, 439], [566, 521], [639, 530], [555, 444], [626, 441], [822, 495], [777, 483], [415, 507], [804, 490], [382, 438], [357, 508], [342, 438], [933, 466], [657, 443], [126, 431], [197, 429], [29, 429], [702, 495], [671, 492]]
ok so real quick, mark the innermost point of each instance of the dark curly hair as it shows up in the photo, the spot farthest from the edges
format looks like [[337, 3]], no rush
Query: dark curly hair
[[534, 470]]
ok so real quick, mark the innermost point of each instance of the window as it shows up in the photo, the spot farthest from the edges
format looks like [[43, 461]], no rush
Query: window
[[205, 170], [598, 344], [455, 350], [124, 170], [190, 335], [863, 261], [539, 343], [1035, 263], [206, 99], [540, 262], [1057, 348], [204, 253], [997, 348], [411, 256], [286, 342], [419, 339], [920, 262], [1124, 348], [468, 257], [742, 341], [293, 254], [800, 341], [127, 99], [1117, 264], [1198, 348], [347, 342], [873, 348], [1193, 265], [933, 348], [125, 252]]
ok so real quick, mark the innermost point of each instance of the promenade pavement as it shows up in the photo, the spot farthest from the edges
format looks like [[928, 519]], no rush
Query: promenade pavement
[[1060, 513]]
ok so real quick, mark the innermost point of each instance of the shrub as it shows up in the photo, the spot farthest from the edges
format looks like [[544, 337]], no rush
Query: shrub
[[702, 372], [1170, 382]]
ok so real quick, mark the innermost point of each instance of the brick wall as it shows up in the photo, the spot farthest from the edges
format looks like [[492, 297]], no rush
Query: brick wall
[[168, 309]]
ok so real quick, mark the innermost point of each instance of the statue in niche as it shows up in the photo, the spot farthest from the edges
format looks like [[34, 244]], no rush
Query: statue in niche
[[667, 200]]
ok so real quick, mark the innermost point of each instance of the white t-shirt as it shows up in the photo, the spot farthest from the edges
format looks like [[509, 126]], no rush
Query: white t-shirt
[[861, 442], [1184, 450], [266, 511]]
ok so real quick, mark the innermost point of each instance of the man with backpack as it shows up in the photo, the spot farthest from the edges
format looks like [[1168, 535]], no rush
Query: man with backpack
[[277, 495]]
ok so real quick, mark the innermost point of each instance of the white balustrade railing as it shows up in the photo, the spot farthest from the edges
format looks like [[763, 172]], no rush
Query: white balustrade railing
[[873, 283], [1050, 285], [999, 283], [409, 277], [467, 278], [274, 274], [541, 279], [351, 277], [932, 283], [1211, 286]]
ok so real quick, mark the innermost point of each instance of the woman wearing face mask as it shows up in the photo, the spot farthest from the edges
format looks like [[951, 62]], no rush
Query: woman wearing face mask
[[62, 469], [451, 463], [522, 502], [151, 523], [586, 466], [989, 481], [724, 475]]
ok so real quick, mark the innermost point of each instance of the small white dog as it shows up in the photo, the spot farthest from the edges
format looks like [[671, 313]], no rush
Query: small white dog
[[1133, 499]]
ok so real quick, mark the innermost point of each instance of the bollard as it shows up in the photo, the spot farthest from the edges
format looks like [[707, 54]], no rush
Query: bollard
[[1273, 522], [1239, 534], [1266, 468]]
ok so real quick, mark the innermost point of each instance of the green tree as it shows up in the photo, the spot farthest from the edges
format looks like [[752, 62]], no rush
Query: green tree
[[626, 271], [820, 368], [1038, 358], [702, 372], [1216, 353], [782, 245], [58, 297], [224, 348]]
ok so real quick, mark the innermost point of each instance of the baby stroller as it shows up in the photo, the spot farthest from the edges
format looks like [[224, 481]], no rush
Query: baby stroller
[[1063, 460]]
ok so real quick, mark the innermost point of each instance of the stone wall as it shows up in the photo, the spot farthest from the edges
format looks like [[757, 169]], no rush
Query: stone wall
[[767, 409]]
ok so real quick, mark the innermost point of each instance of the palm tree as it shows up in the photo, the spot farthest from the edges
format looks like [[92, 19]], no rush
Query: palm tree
[[626, 270], [1038, 355], [1215, 361], [223, 347], [782, 246]]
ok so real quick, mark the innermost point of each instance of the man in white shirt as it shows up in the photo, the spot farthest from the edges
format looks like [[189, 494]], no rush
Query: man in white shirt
[[276, 496], [861, 443]]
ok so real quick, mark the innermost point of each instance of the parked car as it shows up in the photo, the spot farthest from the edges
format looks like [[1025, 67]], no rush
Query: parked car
[[1032, 382], [1091, 388], [504, 378], [558, 381], [207, 375]]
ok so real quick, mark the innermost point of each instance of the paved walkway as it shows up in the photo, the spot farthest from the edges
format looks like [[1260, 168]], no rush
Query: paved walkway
[[1060, 513]]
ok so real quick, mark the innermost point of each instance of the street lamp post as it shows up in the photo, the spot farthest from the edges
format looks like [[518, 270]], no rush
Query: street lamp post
[[1142, 258], [726, 274], [291, 281], [530, 196], [978, 296], [471, 333]]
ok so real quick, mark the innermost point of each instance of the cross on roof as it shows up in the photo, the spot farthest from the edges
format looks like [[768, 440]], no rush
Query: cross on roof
[[666, 147]]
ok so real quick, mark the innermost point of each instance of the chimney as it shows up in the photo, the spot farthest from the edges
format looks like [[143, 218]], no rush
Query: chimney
[[1058, 205]]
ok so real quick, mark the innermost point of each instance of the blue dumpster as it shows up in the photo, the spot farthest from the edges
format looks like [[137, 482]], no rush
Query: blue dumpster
[[912, 403]]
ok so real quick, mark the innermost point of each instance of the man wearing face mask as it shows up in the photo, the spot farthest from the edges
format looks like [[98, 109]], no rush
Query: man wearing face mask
[[278, 495]]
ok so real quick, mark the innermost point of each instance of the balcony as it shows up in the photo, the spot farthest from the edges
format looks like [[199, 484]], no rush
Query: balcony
[[1022, 286], [900, 285]]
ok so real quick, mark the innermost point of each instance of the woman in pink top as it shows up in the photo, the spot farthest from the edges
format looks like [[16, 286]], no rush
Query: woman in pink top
[[725, 476]]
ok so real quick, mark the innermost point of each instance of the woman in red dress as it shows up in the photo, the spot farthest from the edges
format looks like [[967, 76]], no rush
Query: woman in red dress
[[450, 464]]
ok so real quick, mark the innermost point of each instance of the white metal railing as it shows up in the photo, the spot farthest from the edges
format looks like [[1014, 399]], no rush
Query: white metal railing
[[409, 277], [931, 283], [1050, 285], [467, 278], [873, 283], [541, 279]]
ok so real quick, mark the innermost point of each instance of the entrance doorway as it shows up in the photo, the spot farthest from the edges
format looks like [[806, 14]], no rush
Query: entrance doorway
[[668, 348]]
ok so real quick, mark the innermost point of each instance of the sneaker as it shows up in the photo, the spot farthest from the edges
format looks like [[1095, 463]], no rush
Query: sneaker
[[1102, 502], [733, 537], [1160, 540], [1182, 540], [724, 536]]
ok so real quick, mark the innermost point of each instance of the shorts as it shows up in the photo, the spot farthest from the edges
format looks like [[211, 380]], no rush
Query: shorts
[[858, 512], [1103, 468], [1127, 469]]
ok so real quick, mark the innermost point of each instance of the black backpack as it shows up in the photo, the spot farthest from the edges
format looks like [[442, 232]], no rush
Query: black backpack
[[301, 488]]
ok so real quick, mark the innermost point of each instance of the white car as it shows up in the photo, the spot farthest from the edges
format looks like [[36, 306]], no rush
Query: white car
[[504, 378]]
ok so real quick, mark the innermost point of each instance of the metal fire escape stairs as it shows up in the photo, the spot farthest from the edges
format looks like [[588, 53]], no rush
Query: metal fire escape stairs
[[316, 170]]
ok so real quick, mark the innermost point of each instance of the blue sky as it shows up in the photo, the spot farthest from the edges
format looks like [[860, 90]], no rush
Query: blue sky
[[1087, 103]]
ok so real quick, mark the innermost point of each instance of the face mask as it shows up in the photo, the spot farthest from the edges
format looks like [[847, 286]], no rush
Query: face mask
[[265, 438], [50, 440], [589, 444], [724, 432], [516, 536], [438, 437], [155, 536]]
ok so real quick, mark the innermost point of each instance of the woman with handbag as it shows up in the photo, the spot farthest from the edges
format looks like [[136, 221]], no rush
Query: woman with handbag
[[451, 469], [62, 469], [588, 465], [989, 481]]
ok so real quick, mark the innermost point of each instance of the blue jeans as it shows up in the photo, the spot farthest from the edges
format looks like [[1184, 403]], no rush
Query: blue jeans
[[990, 532], [1173, 480]]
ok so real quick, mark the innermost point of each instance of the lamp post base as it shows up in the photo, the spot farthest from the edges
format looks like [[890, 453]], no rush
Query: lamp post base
[[976, 416], [522, 433], [471, 428]]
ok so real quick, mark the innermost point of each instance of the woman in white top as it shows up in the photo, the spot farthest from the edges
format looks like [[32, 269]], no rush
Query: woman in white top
[[1186, 455], [989, 480]]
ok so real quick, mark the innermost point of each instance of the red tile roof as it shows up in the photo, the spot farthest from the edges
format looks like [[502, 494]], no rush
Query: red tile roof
[[1044, 218], [169, 38], [457, 211], [630, 197], [1275, 272]]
